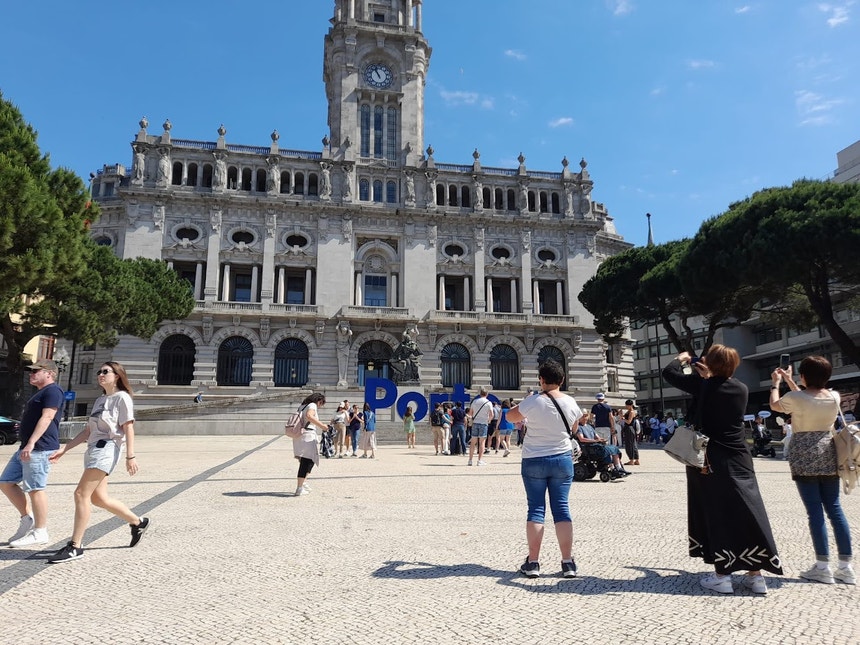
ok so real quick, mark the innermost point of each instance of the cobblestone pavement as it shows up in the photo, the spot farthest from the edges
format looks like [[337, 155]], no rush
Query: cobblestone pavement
[[406, 548]]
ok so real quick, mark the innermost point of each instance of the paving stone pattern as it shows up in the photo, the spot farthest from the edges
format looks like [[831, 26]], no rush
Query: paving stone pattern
[[406, 548]]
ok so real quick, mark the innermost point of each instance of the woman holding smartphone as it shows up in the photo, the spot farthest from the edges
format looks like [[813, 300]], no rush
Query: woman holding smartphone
[[109, 428]]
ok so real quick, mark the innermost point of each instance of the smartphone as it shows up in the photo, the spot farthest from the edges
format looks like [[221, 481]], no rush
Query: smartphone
[[694, 359], [784, 361]]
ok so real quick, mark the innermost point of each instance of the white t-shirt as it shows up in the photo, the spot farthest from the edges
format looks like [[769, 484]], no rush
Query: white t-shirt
[[547, 434], [108, 416], [481, 408], [810, 413]]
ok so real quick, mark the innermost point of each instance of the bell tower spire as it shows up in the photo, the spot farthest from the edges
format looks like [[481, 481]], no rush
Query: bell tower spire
[[375, 70]]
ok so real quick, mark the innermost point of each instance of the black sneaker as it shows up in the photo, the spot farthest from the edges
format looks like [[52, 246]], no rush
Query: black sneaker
[[568, 569], [67, 554], [530, 569], [138, 531]]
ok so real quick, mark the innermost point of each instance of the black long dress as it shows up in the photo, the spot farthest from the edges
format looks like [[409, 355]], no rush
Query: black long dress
[[726, 519]]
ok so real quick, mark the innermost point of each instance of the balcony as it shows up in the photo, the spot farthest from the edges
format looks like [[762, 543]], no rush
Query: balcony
[[391, 313], [502, 317]]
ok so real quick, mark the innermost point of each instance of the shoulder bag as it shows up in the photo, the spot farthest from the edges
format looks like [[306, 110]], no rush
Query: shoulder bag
[[847, 443], [687, 444]]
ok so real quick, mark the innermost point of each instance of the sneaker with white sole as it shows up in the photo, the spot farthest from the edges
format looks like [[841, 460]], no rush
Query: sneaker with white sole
[[481, 462], [24, 527], [845, 574], [306, 487], [756, 583], [470, 463], [137, 530], [507, 452], [568, 569], [34, 537], [67, 554], [530, 569], [301, 490], [720, 584], [816, 574]]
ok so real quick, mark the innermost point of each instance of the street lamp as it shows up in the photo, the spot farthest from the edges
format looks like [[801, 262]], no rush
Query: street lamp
[[61, 358]]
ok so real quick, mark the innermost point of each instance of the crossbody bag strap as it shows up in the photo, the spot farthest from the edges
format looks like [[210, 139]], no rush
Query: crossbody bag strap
[[558, 407], [841, 416]]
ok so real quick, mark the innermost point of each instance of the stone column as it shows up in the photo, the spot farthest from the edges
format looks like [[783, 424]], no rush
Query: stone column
[[309, 283], [281, 298], [467, 295], [357, 299], [225, 286], [213, 255], [514, 302], [198, 282], [255, 282], [393, 298], [536, 297], [441, 300], [559, 297], [490, 297]]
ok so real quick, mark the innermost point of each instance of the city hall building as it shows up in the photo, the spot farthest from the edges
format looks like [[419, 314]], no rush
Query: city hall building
[[310, 268]]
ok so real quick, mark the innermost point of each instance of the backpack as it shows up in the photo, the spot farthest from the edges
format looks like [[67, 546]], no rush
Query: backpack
[[295, 424], [847, 443], [436, 419]]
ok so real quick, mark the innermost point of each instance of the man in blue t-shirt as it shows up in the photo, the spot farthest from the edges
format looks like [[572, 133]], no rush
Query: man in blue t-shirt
[[604, 419], [29, 466]]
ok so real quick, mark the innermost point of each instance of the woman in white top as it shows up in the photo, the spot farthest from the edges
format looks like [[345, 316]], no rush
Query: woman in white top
[[547, 465], [306, 448], [812, 459], [109, 428]]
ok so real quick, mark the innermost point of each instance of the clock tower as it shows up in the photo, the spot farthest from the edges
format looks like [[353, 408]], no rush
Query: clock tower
[[375, 68]]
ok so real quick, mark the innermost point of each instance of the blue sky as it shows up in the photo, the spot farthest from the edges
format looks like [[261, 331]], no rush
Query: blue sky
[[680, 107]]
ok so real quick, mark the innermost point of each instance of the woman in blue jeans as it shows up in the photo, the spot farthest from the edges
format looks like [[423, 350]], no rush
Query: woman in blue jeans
[[812, 458], [547, 465]]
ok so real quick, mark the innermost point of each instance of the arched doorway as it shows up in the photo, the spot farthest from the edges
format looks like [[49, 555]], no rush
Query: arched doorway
[[550, 353], [456, 365], [176, 360], [373, 360], [235, 362], [291, 363], [504, 368]]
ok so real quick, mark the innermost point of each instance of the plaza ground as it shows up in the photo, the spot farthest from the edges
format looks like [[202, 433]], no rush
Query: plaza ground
[[406, 548]]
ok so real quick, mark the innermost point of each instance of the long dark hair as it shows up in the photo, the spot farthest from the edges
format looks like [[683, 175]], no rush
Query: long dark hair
[[316, 397], [121, 377]]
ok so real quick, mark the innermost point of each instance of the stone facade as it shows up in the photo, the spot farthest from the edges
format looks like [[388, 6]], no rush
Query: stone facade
[[284, 248]]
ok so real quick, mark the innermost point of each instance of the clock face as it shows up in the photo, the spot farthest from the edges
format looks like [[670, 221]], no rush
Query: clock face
[[377, 75]]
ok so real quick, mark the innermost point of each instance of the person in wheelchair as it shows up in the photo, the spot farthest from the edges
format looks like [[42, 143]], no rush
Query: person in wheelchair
[[605, 458]]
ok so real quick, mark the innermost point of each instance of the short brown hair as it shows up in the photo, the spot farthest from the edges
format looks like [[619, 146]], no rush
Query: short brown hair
[[722, 360], [815, 370]]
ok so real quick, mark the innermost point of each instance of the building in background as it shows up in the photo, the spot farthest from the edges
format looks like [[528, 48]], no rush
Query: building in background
[[310, 268]]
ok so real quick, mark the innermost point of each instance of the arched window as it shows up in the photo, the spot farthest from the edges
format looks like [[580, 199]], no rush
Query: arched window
[[466, 197], [299, 188], [291, 363], [373, 358], [391, 192], [550, 353], [378, 115], [176, 361], [176, 178], [456, 365], [440, 195], [364, 190], [391, 143], [504, 368], [313, 184], [261, 181], [452, 196], [207, 175], [232, 178], [192, 175], [512, 200], [500, 199], [486, 195], [556, 204], [377, 191], [365, 130], [532, 204], [246, 179], [544, 208], [235, 361]]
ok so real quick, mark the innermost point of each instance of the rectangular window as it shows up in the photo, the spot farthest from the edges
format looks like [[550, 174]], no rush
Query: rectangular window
[[242, 287], [454, 295], [295, 290], [502, 296], [391, 142], [85, 373], [379, 17], [365, 130], [769, 335], [375, 291], [377, 132], [547, 300], [107, 189]]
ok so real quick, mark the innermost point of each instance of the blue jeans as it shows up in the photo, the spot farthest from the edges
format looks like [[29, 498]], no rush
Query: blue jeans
[[353, 437], [459, 431], [821, 495], [552, 474]]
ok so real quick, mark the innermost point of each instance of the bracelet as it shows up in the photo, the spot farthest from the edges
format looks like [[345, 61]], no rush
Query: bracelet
[[774, 387], [130, 458]]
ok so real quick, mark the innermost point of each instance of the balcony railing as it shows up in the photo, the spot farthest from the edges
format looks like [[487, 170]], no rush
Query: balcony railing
[[308, 310], [395, 313], [502, 317]]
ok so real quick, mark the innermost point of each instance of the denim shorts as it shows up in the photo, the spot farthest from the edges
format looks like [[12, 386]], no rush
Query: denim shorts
[[103, 459], [553, 475], [33, 474], [479, 430]]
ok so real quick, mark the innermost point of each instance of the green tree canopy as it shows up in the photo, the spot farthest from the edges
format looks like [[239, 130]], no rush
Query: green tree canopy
[[54, 280], [780, 243]]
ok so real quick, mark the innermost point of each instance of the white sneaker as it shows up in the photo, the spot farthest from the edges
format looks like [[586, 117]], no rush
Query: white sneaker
[[507, 452], [818, 575], [470, 463], [482, 463], [756, 584], [34, 537], [301, 490], [845, 574], [24, 527], [720, 584], [306, 487]]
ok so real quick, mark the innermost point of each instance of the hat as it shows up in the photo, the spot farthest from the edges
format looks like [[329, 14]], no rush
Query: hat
[[44, 364], [600, 396]]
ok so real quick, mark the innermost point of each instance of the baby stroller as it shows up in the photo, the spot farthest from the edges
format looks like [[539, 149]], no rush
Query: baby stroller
[[591, 462], [327, 443]]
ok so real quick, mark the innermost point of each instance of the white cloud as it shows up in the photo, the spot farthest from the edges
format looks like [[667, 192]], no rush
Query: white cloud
[[815, 109], [701, 64], [460, 97], [515, 53], [488, 103], [556, 123], [838, 12], [746, 8], [657, 91], [620, 7]]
